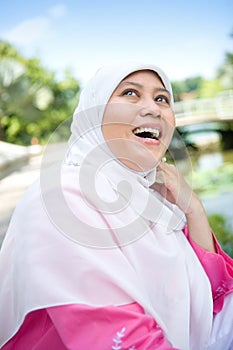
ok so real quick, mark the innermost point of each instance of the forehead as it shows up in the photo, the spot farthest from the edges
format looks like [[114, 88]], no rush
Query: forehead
[[140, 75]]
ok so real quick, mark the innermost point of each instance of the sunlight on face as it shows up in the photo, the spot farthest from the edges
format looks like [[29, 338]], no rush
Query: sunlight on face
[[138, 122]]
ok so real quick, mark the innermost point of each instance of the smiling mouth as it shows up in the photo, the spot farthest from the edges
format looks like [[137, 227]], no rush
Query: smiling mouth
[[147, 133]]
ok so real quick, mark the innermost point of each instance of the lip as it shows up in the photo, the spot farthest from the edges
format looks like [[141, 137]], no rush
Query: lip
[[147, 140], [149, 125]]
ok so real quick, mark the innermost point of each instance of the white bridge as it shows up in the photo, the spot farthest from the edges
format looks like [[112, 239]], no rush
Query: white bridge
[[204, 110]]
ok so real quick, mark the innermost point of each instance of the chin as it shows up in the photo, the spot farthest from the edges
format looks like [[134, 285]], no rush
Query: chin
[[140, 165]]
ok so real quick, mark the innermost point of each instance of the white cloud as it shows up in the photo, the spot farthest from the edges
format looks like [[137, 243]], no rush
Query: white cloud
[[27, 32], [58, 11], [34, 30]]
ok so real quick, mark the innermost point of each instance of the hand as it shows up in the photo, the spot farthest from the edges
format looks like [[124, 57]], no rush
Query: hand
[[173, 187], [177, 191]]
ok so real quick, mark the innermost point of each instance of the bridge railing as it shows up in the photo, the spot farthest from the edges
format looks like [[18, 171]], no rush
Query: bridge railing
[[204, 109]]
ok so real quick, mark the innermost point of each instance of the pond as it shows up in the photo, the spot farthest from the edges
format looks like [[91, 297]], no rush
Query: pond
[[213, 178], [209, 170]]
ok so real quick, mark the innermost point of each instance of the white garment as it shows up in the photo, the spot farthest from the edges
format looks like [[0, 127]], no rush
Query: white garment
[[222, 331], [108, 240]]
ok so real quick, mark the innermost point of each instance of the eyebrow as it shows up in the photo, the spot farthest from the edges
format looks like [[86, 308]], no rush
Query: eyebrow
[[123, 83]]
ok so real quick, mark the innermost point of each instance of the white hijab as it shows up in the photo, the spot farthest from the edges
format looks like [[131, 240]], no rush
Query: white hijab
[[92, 232]]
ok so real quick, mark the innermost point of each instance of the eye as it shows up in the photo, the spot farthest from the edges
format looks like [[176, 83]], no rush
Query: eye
[[162, 98], [129, 92]]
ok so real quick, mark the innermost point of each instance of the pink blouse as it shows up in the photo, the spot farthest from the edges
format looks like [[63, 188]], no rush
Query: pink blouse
[[84, 327]]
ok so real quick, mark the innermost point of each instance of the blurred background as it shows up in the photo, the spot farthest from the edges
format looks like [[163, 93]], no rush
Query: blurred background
[[48, 51]]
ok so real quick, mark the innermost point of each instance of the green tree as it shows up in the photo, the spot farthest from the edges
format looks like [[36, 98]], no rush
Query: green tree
[[225, 71], [187, 86], [32, 102], [210, 88], [198, 87], [178, 89], [223, 233], [192, 83]]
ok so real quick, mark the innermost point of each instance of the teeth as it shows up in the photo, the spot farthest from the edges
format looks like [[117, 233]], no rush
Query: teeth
[[153, 131]]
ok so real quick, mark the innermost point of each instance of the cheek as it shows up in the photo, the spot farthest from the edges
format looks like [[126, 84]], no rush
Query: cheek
[[170, 117], [170, 123], [173, 120], [112, 121], [117, 120], [122, 113]]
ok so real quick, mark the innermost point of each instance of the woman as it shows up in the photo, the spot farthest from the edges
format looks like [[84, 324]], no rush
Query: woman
[[115, 251]]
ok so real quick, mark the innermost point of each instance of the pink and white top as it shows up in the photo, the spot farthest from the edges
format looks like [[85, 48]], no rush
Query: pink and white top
[[100, 259], [125, 327]]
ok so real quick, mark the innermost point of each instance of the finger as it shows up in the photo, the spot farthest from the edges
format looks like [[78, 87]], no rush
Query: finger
[[159, 176], [162, 190], [164, 169], [166, 166], [169, 171], [159, 187]]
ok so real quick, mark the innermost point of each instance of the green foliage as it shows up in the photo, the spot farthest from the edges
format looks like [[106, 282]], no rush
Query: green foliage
[[222, 232], [209, 183], [178, 89], [32, 102], [197, 87], [225, 72], [193, 84], [8, 51], [210, 88], [186, 86], [213, 182]]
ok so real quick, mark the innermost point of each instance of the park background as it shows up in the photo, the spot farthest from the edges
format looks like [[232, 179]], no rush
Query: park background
[[49, 50]]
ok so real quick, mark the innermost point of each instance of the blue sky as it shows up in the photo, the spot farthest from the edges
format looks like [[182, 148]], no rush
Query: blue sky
[[184, 38]]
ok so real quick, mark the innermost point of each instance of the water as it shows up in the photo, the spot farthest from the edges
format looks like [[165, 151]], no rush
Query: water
[[220, 199], [211, 175]]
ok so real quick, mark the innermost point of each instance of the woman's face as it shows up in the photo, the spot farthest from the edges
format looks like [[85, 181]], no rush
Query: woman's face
[[138, 121]]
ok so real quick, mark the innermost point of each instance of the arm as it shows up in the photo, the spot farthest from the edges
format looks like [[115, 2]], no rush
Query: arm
[[108, 327], [199, 229], [219, 269], [176, 190], [217, 264], [86, 327]]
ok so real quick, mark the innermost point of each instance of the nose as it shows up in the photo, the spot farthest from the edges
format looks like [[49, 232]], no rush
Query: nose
[[149, 108]]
